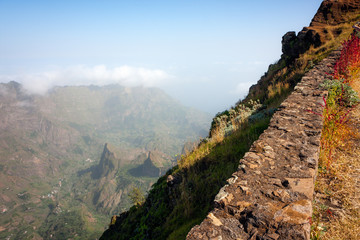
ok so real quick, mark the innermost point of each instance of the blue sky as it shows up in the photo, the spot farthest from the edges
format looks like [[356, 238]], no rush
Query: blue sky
[[204, 53]]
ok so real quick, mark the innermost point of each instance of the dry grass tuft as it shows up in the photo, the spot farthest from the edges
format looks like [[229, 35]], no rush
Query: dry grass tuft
[[337, 199], [336, 206]]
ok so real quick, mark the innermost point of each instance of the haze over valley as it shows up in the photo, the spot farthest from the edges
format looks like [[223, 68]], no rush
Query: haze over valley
[[70, 157]]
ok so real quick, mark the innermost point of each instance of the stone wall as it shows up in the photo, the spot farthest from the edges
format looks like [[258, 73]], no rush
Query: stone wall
[[270, 196]]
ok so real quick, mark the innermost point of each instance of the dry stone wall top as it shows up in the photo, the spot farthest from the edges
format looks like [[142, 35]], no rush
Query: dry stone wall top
[[270, 196]]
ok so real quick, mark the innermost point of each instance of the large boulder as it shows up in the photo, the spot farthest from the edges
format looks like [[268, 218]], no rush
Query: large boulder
[[293, 45]]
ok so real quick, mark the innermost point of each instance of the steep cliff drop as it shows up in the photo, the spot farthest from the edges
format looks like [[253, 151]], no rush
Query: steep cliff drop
[[269, 194]]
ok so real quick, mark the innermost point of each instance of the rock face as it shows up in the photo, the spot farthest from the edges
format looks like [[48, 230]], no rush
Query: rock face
[[270, 196], [147, 169], [293, 46], [108, 164], [332, 20], [107, 193], [108, 189], [19, 115], [330, 13], [333, 12]]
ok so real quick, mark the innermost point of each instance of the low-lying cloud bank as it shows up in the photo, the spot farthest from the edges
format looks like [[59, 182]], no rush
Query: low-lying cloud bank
[[99, 75]]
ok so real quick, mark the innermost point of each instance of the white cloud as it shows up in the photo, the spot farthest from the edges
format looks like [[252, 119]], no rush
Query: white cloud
[[84, 75], [242, 88]]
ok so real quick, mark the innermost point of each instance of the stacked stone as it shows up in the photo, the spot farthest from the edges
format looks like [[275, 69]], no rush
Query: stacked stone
[[270, 196]]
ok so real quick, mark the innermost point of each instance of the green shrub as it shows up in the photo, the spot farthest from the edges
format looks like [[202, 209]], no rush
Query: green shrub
[[340, 93]]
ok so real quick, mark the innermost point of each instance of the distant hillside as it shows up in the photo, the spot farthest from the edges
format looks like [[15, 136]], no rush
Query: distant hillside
[[127, 117], [51, 154], [184, 196]]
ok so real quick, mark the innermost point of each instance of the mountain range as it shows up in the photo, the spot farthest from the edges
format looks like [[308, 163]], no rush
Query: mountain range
[[72, 155]]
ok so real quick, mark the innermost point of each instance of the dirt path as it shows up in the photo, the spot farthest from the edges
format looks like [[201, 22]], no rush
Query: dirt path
[[354, 157], [337, 198]]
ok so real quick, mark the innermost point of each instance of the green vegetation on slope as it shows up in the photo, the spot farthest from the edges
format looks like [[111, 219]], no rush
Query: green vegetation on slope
[[170, 211]]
